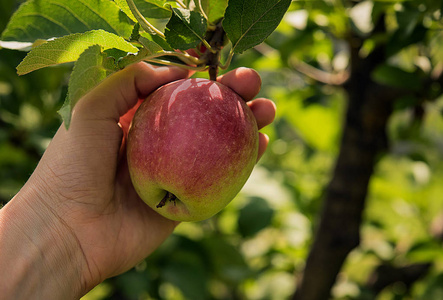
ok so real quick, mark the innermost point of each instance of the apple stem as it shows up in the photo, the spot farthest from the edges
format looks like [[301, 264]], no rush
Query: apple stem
[[168, 197], [215, 39], [213, 70]]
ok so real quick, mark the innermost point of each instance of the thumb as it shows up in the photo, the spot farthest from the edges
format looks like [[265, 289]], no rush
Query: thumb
[[115, 96], [87, 152]]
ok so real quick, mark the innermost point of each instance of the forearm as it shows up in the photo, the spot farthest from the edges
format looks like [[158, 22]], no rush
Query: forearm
[[37, 261]]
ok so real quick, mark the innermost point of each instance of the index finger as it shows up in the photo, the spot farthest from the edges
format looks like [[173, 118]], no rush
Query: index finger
[[244, 81]]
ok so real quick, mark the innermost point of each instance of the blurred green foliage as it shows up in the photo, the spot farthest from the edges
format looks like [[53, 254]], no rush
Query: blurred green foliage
[[255, 248]]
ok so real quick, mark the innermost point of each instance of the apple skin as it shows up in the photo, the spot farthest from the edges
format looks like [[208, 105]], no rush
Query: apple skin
[[195, 139]]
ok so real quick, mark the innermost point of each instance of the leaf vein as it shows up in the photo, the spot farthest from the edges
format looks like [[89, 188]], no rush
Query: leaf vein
[[47, 18], [72, 13], [98, 14], [253, 23], [26, 32]]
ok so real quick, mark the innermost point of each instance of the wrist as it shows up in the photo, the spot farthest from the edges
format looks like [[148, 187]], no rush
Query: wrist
[[40, 256]]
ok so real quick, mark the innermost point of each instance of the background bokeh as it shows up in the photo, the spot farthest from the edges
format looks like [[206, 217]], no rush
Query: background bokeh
[[256, 247]]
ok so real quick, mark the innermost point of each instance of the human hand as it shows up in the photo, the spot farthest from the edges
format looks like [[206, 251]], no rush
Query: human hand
[[82, 189]]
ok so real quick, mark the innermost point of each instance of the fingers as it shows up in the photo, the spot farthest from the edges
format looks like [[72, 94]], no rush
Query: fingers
[[244, 81], [263, 141], [120, 92], [263, 110]]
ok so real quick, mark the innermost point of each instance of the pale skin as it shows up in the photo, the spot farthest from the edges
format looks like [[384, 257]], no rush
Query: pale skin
[[78, 220]]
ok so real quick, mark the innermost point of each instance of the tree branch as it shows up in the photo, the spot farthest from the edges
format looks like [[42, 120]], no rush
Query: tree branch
[[385, 275], [319, 75]]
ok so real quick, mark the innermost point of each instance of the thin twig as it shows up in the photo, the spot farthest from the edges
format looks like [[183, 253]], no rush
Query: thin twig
[[148, 27], [179, 2], [228, 61], [144, 54], [319, 75], [200, 8], [189, 59], [170, 63]]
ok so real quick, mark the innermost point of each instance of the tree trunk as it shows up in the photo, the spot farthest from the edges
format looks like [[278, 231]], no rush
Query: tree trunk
[[363, 141]]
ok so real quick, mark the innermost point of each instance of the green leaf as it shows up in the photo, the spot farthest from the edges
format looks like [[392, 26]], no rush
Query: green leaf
[[38, 19], [396, 77], [92, 67], [309, 121], [185, 29], [125, 8], [156, 9], [410, 30], [249, 22], [6, 10], [424, 251], [156, 39], [132, 284], [255, 216], [434, 288], [403, 38], [214, 9], [227, 260], [68, 49], [151, 46], [116, 54], [187, 271], [150, 49], [135, 35]]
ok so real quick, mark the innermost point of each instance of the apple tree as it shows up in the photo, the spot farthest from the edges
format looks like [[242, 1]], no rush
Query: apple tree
[[346, 203], [365, 82]]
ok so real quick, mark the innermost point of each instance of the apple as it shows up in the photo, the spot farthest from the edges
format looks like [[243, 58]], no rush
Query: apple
[[191, 147]]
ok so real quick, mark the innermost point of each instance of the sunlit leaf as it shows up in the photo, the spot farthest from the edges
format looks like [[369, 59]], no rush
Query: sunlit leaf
[[157, 9], [361, 16], [68, 49], [36, 19], [123, 5], [214, 9], [92, 67]]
